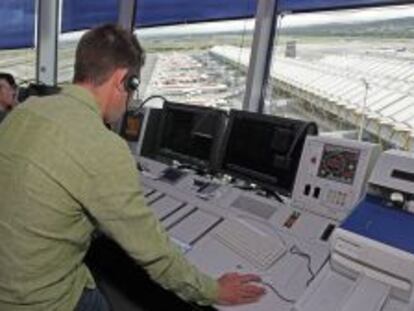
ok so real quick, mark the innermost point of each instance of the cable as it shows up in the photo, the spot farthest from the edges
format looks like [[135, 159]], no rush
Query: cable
[[327, 259], [141, 104], [278, 294], [295, 250], [271, 194], [260, 191]]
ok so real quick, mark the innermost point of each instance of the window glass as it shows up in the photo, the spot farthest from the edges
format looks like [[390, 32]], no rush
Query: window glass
[[350, 71], [21, 63], [202, 64], [185, 63], [66, 56]]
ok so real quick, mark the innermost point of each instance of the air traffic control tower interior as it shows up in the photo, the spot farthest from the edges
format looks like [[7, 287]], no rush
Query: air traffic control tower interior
[[325, 217]]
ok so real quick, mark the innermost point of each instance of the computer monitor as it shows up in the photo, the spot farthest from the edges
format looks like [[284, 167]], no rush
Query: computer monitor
[[264, 149], [190, 134], [150, 128]]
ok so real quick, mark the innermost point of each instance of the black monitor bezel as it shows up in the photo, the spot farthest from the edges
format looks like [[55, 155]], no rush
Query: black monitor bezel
[[209, 165], [261, 181]]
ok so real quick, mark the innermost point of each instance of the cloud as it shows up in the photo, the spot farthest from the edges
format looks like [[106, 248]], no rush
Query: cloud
[[348, 16]]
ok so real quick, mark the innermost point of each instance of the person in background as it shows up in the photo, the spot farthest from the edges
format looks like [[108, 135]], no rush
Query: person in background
[[64, 175], [8, 94]]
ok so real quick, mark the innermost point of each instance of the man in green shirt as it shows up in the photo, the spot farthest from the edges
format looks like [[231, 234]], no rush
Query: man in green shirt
[[63, 174]]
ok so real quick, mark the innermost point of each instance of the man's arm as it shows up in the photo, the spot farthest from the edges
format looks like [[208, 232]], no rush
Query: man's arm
[[115, 200]]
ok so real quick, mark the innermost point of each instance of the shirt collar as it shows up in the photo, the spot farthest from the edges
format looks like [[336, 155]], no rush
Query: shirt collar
[[81, 95]]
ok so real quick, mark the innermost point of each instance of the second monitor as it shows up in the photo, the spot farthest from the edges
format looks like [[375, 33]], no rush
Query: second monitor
[[264, 149], [190, 134]]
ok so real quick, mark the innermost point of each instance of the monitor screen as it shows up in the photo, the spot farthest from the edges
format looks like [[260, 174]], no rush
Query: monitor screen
[[264, 149], [339, 163], [190, 134]]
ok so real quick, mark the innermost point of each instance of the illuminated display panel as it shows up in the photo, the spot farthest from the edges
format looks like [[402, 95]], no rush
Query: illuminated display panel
[[339, 164]]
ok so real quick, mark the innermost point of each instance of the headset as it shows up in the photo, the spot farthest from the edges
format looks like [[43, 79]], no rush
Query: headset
[[131, 82]]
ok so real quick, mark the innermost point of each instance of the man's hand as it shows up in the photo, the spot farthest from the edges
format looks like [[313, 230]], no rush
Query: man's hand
[[237, 289]]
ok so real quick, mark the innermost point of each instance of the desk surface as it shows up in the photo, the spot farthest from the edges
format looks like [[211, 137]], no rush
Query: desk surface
[[174, 202]]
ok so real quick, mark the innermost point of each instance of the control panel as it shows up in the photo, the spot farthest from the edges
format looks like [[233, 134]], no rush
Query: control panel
[[332, 175]]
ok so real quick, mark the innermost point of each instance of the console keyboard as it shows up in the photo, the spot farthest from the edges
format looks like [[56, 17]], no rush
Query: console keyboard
[[259, 249]]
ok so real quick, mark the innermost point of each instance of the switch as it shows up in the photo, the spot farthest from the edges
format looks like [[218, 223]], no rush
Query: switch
[[316, 192], [327, 232], [307, 190]]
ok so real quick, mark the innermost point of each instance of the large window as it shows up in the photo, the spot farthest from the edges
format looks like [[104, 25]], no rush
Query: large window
[[350, 71], [20, 63], [202, 64], [66, 57]]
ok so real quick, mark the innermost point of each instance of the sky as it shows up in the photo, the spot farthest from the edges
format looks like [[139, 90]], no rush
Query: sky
[[349, 16]]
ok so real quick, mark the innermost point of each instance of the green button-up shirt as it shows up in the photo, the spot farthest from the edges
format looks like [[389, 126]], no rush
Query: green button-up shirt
[[62, 175]]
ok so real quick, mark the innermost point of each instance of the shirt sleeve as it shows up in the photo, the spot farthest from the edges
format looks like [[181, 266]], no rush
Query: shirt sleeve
[[115, 200]]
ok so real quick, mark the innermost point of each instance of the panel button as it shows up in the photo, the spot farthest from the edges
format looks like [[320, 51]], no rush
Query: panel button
[[307, 190], [316, 192]]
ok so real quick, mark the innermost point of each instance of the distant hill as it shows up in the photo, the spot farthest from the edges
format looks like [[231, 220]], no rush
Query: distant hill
[[394, 28]]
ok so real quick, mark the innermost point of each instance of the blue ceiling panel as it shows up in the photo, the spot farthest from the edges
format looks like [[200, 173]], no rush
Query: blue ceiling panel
[[165, 12], [17, 16], [84, 14]]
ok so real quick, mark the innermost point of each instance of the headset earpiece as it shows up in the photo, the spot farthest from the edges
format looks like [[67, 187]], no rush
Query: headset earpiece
[[131, 83]]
